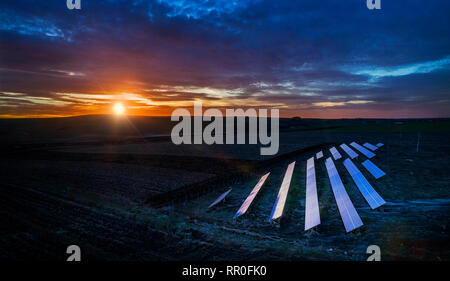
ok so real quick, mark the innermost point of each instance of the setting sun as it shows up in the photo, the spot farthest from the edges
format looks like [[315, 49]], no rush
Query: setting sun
[[119, 109]]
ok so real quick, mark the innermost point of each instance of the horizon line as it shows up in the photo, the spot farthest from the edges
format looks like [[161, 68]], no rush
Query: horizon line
[[44, 116]]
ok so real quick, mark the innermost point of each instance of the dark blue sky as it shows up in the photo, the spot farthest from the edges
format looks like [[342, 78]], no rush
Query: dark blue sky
[[309, 58]]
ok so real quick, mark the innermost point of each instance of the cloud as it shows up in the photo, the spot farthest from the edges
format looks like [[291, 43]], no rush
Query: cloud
[[14, 22], [403, 70], [17, 99], [340, 103], [298, 55], [197, 9]]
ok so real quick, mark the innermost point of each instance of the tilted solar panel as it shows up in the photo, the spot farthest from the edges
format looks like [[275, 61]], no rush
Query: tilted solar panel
[[379, 144], [370, 146], [335, 153], [319, 154], [350, 152], [278, 207], [220, 198], [369, 193], [349, 216], [367, 153], [251, 196], [373, 169], [312, 215]]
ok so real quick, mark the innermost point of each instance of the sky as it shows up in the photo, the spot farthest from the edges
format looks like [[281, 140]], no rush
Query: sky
[[312, 58]]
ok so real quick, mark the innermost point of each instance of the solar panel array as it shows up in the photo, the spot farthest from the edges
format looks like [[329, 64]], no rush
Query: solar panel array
[[368, 192], [335, 153], [367, 153], [251, 196], [349, 216], [350, 152], [370, 146], [312, 215], [373, 169], [278, 207], [347, 211]]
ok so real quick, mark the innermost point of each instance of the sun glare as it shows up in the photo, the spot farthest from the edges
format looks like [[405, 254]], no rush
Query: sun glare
[[119, 109]]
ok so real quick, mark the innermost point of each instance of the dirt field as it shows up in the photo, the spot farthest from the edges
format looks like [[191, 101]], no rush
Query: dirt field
[[97, 192]]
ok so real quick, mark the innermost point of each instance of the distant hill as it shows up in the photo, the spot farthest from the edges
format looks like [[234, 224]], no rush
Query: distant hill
[[81, 128], [109, 127]]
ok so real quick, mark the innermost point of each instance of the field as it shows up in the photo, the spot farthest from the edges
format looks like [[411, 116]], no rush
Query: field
[[122, 191]]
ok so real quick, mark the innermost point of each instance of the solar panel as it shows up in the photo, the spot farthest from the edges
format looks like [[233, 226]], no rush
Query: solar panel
[[335, 153], [371, 196], [373, 169], [367, 153], [220, 198], [319, 154], [251, 196], [312, 216], [349, 216], [370, 146], [278, 207], [350, 152], [379, 144]]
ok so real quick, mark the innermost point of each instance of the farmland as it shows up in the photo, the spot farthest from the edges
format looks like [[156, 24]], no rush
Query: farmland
[[122, 195]]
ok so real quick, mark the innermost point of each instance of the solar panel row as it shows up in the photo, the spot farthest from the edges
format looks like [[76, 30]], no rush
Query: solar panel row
[[251, 196], [350, 152], [369, 193], [379, 144], [319, 154], [367, 153], [312, 215], [349, 216], [370, 146], [220, 198], [335, 153], [373, 169], [278, 207]]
